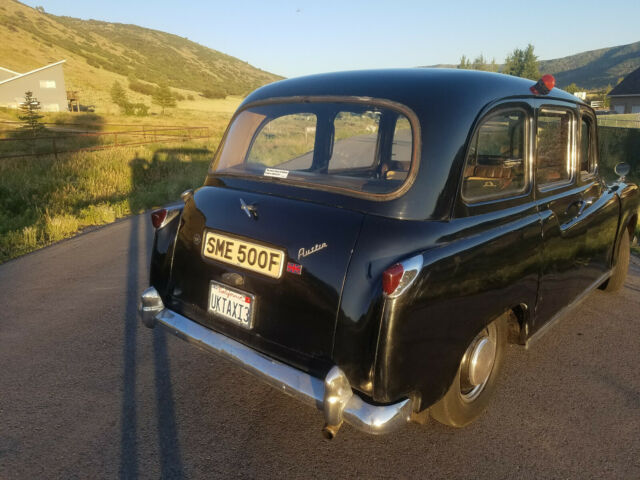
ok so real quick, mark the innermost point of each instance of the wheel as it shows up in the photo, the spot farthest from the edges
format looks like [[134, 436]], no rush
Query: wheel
[[475, 381], [616, 280]]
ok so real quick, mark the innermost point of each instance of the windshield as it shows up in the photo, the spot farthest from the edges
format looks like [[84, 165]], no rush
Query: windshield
[[363, 148]]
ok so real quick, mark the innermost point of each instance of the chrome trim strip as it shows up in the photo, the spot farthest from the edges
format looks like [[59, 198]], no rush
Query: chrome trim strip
[[338, 403], [554, 320]]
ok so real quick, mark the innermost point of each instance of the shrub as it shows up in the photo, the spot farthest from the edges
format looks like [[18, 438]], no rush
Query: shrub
[[214, 92], [141, 87]]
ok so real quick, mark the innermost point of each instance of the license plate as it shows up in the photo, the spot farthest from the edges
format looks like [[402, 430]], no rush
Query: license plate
[[231, 304], [251, 256]]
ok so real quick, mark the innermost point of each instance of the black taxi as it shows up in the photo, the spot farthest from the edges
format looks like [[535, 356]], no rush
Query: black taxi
[[369, 242]]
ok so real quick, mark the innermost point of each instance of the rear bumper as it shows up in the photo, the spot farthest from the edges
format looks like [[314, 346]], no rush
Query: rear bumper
[[332, 395]]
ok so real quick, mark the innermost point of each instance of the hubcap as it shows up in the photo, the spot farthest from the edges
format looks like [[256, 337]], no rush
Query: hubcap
[[477, 363]]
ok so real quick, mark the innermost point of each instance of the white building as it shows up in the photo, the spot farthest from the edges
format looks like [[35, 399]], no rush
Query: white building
[[46, 83]]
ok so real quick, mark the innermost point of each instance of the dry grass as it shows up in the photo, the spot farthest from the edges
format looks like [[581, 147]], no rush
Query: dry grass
[[44, 199]]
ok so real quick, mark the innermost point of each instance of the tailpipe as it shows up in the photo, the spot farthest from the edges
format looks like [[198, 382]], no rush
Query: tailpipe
[[330, 431]]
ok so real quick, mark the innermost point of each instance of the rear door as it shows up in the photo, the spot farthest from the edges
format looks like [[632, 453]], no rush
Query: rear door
[[600, 209], [571, 208]]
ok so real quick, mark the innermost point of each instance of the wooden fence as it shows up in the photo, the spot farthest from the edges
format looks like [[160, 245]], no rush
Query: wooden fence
[[64, 138], [612, 121]]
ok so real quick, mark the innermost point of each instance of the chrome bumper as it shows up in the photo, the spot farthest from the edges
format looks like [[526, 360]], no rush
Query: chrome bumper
[[333, 395]]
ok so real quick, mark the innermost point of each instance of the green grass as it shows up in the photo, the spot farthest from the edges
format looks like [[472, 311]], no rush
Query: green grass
[[44, 199]]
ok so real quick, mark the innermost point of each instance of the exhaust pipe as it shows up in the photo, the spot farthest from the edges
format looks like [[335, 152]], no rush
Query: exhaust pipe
[[330, 431]]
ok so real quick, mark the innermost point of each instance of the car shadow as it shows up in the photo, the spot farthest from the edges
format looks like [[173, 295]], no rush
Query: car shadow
[[164, 162]]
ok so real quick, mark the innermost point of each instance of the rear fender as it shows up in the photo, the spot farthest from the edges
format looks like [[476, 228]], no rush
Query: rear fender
[[164, 242]]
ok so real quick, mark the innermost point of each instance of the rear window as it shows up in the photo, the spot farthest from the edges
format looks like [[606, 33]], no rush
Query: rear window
[[362, 148]]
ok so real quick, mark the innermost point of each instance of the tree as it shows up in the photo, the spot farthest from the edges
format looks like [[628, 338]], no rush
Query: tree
[[163, 98], [465, 63], [29, 114], [119, 97], [572, 88], [118, 94], [606, 99], [522, 63], [479, 63]]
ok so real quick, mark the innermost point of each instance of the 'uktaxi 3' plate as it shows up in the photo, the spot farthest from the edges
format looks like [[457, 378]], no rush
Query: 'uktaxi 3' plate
[[231, 304], [250, 256]]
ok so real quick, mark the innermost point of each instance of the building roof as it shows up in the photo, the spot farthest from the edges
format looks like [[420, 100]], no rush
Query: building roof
[[9, 71], [20, 75], [629, 86]]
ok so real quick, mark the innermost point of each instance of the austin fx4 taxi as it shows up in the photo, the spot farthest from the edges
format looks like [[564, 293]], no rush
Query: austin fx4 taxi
[[369, 242]]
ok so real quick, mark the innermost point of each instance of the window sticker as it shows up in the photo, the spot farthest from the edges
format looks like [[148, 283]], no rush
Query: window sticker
[[276, 172]]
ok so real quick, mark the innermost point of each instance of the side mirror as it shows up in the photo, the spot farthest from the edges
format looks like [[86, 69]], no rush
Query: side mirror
[[622, 169]]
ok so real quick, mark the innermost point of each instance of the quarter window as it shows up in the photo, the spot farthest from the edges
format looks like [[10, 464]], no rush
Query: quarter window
[[495, 165], [586, 153], [553, 161]]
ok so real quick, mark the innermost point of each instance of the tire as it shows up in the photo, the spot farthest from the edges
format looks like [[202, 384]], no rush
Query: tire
[[463, 403], [619, 274]]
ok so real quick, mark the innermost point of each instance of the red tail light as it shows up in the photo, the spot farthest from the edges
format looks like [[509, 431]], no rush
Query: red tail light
[[391, 278], [158, 216]]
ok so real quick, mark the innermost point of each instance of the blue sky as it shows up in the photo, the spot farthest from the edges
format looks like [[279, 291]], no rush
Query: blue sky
[[297, 38]]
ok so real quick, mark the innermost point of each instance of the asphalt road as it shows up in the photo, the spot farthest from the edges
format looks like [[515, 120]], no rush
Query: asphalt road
[[87, 392]]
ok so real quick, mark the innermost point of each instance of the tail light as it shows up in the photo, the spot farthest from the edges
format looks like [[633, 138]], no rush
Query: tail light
[[158, 217], [391, 278], [399, 277]]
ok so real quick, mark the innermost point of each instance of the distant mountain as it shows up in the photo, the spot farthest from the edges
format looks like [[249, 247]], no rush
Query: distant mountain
[[592, 69], [595, 68], [98, 53]]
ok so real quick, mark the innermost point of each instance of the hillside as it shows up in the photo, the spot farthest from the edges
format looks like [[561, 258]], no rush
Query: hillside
[[98, 53], [595, 68], [592, 69]]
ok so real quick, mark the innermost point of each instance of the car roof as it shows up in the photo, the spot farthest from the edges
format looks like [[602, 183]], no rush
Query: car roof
[[447, 103], [413, 87]]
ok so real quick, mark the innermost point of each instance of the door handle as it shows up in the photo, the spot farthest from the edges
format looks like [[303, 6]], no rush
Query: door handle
[[580, 204], [585, 204]]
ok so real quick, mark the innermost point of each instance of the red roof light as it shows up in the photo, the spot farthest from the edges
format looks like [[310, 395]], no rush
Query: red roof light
[[544, 85]]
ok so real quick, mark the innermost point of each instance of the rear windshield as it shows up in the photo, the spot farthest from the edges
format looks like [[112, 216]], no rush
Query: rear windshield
[[363, 148]]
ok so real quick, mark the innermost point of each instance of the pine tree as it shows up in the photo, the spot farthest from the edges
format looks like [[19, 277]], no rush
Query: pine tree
[[572, 88], [163, 98], [29, 114], [118, 95], [465, 63], [522, 63], [479, 63]]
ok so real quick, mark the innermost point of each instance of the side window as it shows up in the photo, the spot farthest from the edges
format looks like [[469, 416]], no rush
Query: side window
[[496, 163], [586, 154], [553, 159]]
